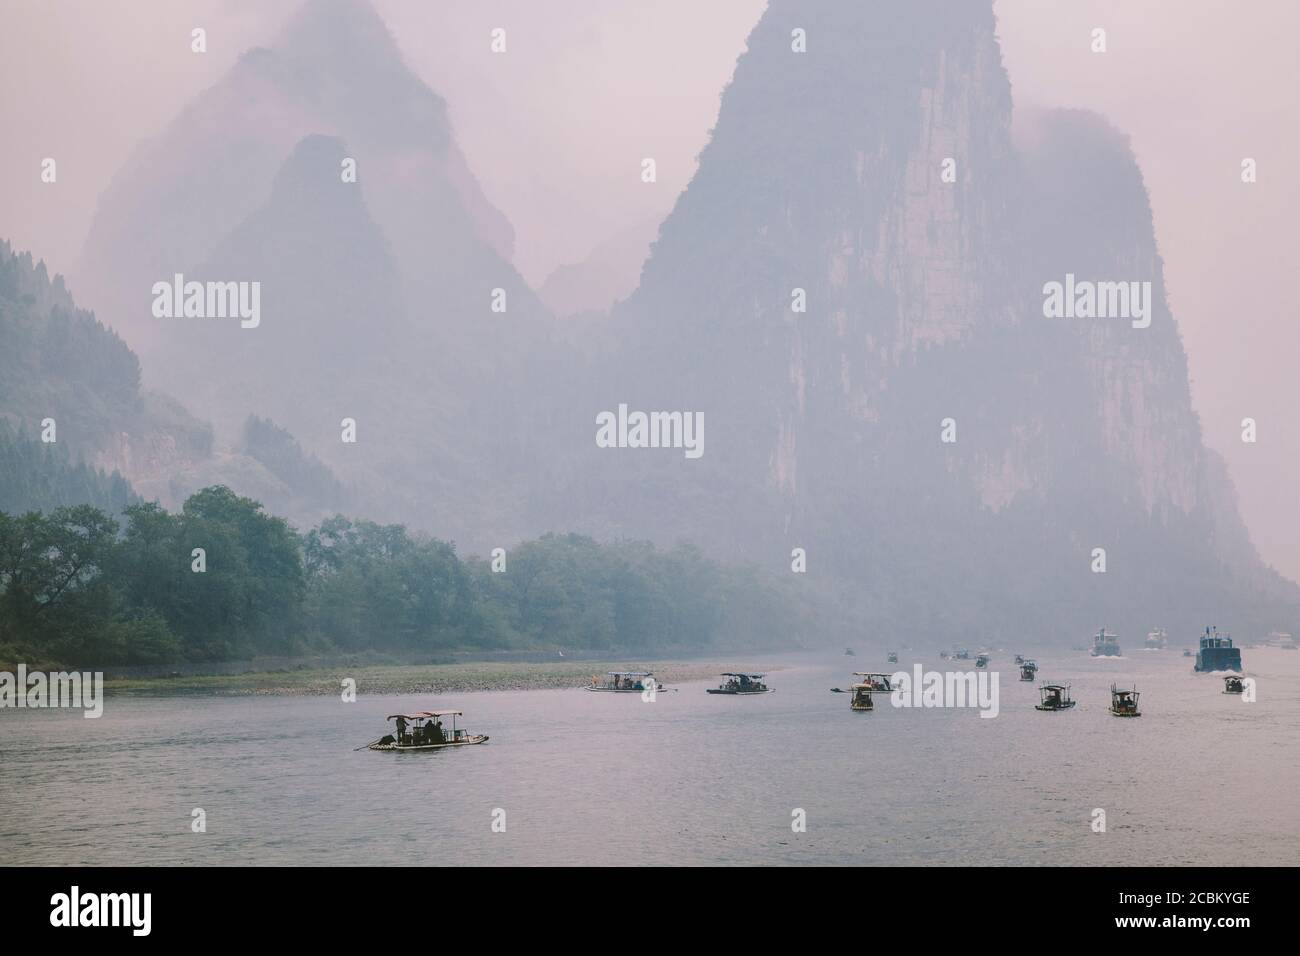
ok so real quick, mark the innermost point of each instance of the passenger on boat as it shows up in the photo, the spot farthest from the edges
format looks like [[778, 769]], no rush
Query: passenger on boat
[[401, 729]]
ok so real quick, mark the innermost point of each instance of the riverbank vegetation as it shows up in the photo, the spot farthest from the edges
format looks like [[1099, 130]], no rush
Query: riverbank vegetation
[[223, 580]]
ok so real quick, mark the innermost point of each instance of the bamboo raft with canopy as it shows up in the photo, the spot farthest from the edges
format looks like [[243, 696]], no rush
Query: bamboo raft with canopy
[[423, 730]]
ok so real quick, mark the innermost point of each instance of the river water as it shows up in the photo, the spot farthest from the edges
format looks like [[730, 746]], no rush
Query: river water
[[1200, 778]]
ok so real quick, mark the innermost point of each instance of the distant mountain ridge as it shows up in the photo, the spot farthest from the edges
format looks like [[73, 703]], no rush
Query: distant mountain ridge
[[112, 442], [825, 179], [850, 291], [389, 301]]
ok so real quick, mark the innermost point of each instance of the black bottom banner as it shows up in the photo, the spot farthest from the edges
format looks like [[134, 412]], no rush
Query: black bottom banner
[[318, 904]]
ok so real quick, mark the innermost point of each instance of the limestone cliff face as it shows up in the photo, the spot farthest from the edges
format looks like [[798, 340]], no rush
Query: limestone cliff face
[[1086, 212], [877, 177]]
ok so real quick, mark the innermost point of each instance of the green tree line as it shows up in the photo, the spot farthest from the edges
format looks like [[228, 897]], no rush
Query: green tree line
[[222, 579]]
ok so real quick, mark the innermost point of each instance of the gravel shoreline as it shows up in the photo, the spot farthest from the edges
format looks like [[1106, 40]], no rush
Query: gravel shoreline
[[409, 679]]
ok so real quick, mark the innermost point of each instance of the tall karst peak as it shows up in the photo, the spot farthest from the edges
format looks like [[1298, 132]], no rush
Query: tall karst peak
[[342, 58], [861, 258]]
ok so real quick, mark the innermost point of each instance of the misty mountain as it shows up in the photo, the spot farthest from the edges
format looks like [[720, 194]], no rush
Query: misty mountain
[[609, 273], [389, 301], [851, 292], [111, 438], [925, 303], [58, 362]]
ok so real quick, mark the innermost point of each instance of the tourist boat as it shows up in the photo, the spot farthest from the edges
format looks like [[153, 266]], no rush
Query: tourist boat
[[1217, 653], [1233, 684], [1124, 703], [982, 660], [741, 684], [1156, 639], [625, 682], [423, 730], [1280, 640], [1105, 644], [1028, 669], [861, 699], [877, 682], [961, 655], [1054, 697], [893, 657]]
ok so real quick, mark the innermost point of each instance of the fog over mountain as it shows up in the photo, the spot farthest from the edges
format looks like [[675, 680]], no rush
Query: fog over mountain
[[382, 289], [925, 303], [850, 295]]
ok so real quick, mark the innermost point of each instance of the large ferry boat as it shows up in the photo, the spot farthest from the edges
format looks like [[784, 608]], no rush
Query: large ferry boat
[[1157, 639], [1217, 652], [1106, 644]]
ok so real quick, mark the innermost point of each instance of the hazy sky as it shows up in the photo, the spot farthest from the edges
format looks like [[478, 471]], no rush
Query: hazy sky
[[556, 129]]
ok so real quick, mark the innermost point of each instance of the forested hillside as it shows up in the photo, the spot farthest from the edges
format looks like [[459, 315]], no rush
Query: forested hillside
[[222, 579], [36, 476]]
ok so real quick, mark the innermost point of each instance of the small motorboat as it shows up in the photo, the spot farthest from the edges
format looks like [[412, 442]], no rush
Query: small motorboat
[[982, 660], [1054, 697], [892, 657], [741, 684], [1124, 703], [1019, 660], [1234, 684], [423, 730], [848, 652], [1028, 669], [861, 699]]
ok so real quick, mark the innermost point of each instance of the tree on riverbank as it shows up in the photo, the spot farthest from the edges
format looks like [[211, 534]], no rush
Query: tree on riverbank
[[222, 580]]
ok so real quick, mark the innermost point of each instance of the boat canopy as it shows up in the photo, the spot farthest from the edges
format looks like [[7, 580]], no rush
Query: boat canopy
[[630, 674], [426, 714], [872, 674], [1055, 687], [737, 674]]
